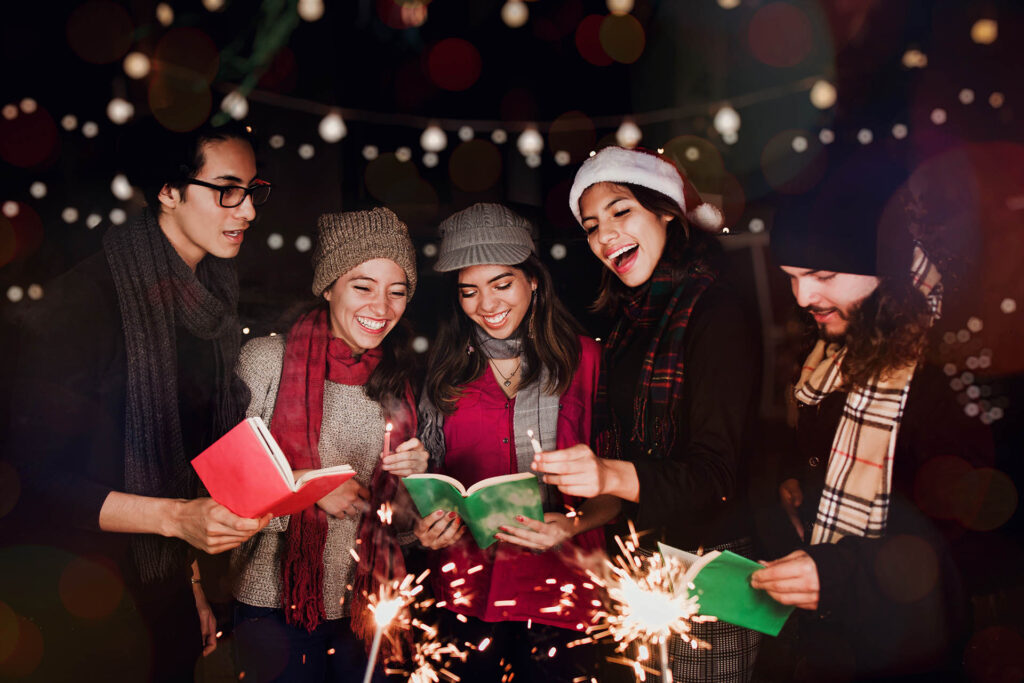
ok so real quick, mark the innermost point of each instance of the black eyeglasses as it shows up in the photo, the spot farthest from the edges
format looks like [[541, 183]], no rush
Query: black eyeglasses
[[233, 195]]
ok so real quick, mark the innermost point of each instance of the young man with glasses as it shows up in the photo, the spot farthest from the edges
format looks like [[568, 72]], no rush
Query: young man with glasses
[[125, 373]]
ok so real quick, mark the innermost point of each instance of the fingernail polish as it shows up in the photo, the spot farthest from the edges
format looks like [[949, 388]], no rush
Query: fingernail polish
[[519, 518], [451, 515]]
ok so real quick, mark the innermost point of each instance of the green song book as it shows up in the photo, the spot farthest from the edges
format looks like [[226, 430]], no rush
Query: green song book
[[485, 506], [721, 580]]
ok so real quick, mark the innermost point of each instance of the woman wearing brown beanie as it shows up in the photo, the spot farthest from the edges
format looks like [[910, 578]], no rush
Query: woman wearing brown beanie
[[327, 390], [508, 361]]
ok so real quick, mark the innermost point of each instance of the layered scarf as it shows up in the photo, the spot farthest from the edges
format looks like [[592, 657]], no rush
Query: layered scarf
[[660, 384], [312, 356], [534, 410], [156, 291], [858, 482]]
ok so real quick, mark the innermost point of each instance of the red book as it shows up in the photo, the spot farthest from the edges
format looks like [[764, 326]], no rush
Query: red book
[[246, 472]]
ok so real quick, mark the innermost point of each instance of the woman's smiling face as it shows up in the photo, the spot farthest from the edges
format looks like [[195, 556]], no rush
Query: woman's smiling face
[[627, 238], [367, 302], [495, 297]]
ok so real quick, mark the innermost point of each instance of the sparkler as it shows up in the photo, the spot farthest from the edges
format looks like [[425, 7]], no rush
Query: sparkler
[[384, 612], [643, 606], [387, 438]]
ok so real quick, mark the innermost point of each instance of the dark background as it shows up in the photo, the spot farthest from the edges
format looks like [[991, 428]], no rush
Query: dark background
[[574, 73]]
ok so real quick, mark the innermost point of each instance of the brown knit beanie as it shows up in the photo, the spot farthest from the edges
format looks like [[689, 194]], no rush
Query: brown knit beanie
[[344, 240]]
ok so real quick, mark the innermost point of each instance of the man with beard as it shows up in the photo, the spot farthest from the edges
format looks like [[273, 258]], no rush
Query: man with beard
[[124, 373], [877, 591]]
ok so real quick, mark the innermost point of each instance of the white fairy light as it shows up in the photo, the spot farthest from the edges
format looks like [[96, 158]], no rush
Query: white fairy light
[[370, 152], [306, 151], [35, 292], [1008, 305], [164, 14], [915, 59], [466, 133], [10, 209], [420, 344], [275, 240], [865, 136], [826, 136], [121, 188], [996, 100], [899, 131], [69, 122], [692, 153], [514, 13], [727, 120], [10, 112], [430, 159], [938, 116], [799, 144], [499, 136], [629, 134], [37, 189], [949, 369], [276, 141], [69, 214], [29, 105], [433, 139], [213, 5], [530, 142], [119, 110], [92, 220], [756, 225], [966, 96], [15, 294], [730, 138], [403, 154], [533, 160], [430, 250], [558, 251], [303, 243], [235, 105], [136, 65], [332, 127], [619, 6], [963, 336], [311, 10], [562, 158], [823, 94], [118, 216], [90, 129], [975, 324]]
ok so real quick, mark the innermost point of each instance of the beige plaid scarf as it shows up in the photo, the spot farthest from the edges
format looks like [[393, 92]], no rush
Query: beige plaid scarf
[[858, 482]]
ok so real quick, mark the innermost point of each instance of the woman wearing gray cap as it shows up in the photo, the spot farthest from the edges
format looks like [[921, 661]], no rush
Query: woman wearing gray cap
[[509, 361], [327, 390], [674, 444]]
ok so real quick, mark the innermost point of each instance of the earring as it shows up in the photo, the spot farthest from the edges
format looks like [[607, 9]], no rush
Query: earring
[[469, 349]]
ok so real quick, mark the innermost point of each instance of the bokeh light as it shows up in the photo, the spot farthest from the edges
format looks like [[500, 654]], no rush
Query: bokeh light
[[915, 59], [823, 94], [454, 64], [563, 158], [311, 10], [780, 35], [235, 105], [120, 110], [466, 133], [906, 568], [276, 141], [938, 116], [213, 5], [515, 13], [433, 139], [370, 152], [966, 96], [303, 244], [985, 31], [10, 112], [430, 159], [403, 154], [788, 172], [430, 250], [69, 214], [865, 136], [475, 166], [530, 142], [826, 136], [332, 127], [26, 650], [588, 40], [69, 122], [136, 65], [93, 220], [572, 132], [88, 589], [185, 62], [117, 216], [90, 129], [728, 4], [622, 37], [499, 136], [996, 99], [37, 189], [306, 151], [629, 134], [275, 240], [727, 121], [121, 188], [756, 225], [164, 14], [899, 131], [100, 31], [28, 105], [420, 344]]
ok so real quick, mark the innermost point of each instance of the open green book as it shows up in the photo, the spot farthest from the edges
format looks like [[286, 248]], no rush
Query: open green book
[[485, 506], [721, 581]]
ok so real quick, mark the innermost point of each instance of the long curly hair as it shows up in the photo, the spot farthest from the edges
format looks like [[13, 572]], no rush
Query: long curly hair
[[887, 330]]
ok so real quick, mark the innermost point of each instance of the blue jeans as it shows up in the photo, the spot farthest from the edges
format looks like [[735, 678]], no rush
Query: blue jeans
[[267, 649]]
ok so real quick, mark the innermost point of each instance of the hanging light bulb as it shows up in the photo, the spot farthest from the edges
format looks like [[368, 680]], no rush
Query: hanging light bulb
[[727, 121], [119, 110], [823, 94], [433, 139], [629, 134], [235, 104], [514, 13], [332, 127], [136, 65], [530, 142]]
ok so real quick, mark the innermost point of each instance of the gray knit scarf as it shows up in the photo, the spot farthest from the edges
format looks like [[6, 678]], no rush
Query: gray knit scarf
[[534, 409], [157, 290]]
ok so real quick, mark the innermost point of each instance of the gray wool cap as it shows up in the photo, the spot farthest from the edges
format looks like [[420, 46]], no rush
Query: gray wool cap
[[484, 233]]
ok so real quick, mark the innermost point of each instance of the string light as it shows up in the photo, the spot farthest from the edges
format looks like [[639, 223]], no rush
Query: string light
[[996, 99], [514, 13], [213, 5], [276, 141], [558, 251], [620, 6], [303, 244], [915, 59], [90, 129], [119, 110], [35, 292], [10, 112], [306, 151], [466, 133], [370, 152], [966, 96], [311, 10], [332, 127], [37, 189], [420, 344], [29, 105], [235, 105], [92, 220], [728, 4], [15, 294], [69, 122], [430, 250], [118, 216], [899, 131], [164, 14], [562, 158], [985, 31], [799, 144], [403, 154], [823, 94], [275, 240], [756, 225], [691, 154], [69, 214], [1008, 305], [121, 188], [433, 139], [727, 121], [530, 142], [10, 209], [499, 136], [430, 159], [533, 160], [826, 136], [938, 116], [865, 136], [136, 65], [629, 134]]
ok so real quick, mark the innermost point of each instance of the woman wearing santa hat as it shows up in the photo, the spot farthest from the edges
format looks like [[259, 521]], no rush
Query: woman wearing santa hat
[[677, 389]]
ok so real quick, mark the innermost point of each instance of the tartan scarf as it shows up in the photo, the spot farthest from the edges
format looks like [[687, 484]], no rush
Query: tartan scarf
[[660, 384], [311, 357], [858, 482]]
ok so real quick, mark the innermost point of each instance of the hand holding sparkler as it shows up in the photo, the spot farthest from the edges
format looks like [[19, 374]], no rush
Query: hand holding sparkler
[[410, 457], [577, 471]]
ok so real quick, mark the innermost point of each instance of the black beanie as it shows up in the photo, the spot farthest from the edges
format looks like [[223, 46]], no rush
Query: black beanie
[[855, 220]]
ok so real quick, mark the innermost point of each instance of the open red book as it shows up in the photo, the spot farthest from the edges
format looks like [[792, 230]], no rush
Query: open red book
[[246, 472]]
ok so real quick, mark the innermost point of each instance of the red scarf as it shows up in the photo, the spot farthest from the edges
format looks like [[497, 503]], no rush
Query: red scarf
[[311, 357]]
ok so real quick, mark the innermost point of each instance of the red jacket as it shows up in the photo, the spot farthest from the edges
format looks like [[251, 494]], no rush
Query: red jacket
[[515, 584]]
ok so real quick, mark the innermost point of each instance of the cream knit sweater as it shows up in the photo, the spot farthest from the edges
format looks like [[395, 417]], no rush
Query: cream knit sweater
[[351, 433]]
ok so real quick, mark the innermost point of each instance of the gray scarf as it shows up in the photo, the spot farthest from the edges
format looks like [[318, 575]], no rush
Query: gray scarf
[[156, 290], [535, 410]]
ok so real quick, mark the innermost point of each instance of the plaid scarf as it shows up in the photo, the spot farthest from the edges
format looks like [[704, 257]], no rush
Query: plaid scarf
[[660, 385], [858, 482]]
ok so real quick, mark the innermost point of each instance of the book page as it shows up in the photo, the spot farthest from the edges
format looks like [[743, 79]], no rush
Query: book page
[[323, 472], [432, 492], [273, 450], [494, 481], [451, 481]]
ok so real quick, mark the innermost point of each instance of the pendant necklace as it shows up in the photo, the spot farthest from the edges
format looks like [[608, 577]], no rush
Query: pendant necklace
[[508, 380]]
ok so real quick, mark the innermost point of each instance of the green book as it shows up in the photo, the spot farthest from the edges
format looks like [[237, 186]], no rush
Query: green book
[[485, 506], [721, 581]]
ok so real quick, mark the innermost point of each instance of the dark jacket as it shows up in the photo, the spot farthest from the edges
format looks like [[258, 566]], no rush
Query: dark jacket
[[895, 606]]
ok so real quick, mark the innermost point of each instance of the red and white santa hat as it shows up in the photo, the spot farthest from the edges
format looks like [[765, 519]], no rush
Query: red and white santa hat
[[646, 169]]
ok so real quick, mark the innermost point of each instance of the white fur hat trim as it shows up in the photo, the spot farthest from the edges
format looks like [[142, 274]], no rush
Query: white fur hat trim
[[646, 169]]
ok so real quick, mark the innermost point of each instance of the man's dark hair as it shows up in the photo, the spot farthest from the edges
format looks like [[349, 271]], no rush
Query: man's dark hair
[[155, 157], [886, 331]]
